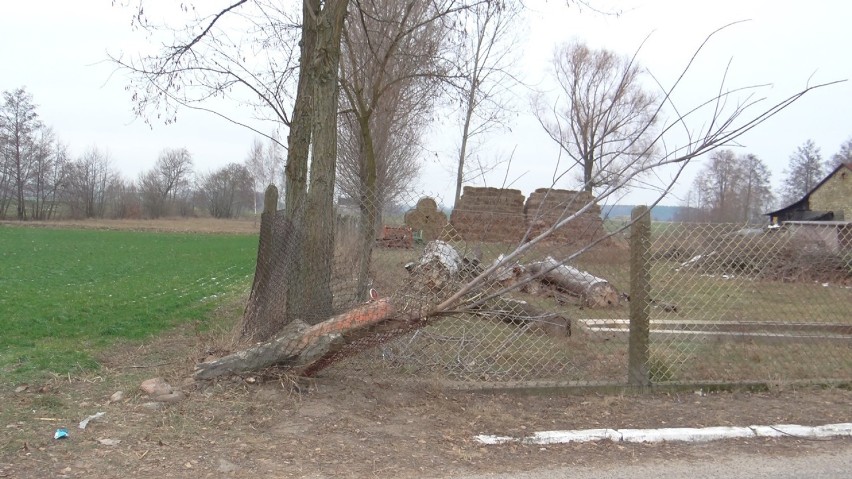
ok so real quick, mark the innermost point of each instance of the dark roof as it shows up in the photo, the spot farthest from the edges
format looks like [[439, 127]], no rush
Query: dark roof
[[804, 199]]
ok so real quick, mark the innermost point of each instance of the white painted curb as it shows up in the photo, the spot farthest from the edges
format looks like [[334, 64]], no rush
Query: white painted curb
[[682, 434]]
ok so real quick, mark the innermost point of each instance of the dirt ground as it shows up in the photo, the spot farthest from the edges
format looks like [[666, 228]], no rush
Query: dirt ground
[[346, 424], [353, 423]]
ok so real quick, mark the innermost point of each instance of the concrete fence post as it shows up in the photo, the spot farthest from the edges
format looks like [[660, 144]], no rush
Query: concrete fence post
[[640, 298]]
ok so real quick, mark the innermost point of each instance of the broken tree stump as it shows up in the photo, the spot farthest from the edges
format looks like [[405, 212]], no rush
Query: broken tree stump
[[593, 291]]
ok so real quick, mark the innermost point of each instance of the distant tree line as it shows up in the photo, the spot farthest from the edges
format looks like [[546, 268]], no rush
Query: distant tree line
[[40, 179], [737, 188]]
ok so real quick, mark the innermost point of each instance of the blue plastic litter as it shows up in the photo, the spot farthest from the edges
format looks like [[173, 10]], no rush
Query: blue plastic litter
[[61, 433]]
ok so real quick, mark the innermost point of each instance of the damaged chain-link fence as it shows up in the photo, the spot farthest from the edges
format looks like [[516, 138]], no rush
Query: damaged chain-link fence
[[472, 300]]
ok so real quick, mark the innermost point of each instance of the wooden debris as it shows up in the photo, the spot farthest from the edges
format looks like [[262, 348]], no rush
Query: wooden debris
[[298, 344], [594, 292], [396, 237]]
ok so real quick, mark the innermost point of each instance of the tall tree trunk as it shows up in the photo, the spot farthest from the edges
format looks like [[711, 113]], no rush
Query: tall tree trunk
[[22, 211], [299, 139], [589, 163], [20, 180], [296, 169], [471, 99], [310, 296], [369, 206]]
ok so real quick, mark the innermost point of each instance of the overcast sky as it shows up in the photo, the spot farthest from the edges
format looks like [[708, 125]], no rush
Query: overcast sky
[[58, 49]]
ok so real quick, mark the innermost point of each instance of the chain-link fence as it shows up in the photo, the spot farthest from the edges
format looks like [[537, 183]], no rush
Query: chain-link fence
[[593, 303]]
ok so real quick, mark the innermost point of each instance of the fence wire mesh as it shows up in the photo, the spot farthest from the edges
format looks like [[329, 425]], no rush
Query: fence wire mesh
[[725, 303]]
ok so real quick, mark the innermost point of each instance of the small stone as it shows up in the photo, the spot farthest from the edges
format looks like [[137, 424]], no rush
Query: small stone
[[21, 388], [116, 396], [155, 387], [152, 406], [226, 466]]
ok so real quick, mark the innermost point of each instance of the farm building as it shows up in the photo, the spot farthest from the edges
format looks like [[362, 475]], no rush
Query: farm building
[[821, 219], [829, 200]]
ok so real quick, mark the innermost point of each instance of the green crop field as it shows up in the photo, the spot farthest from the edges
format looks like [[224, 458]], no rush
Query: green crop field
[[66, 294]]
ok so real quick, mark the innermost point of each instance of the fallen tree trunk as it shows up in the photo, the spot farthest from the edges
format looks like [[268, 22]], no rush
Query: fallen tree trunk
[[307, 349], [299, 344], [593, 291]]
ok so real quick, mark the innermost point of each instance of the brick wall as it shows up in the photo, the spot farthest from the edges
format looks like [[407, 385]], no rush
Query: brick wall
[[835, 194]]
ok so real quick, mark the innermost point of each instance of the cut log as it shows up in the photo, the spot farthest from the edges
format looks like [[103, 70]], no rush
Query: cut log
[[299, 345], [443, 254], [307, 349], [594, 292]]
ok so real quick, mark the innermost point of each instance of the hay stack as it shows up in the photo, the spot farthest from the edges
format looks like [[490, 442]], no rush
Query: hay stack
[[489, 214], [425, 217], [547, 206]]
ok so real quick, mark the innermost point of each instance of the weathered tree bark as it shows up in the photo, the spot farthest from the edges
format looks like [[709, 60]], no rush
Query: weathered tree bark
[[300, 345], [594, 292], [369, 207], [309, 295], [299, 139], [296, 169]]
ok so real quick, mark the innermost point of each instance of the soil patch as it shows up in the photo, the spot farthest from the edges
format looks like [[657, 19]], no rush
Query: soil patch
[[346, 424]]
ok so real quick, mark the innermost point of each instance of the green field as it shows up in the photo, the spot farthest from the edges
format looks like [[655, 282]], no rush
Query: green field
[[67, 294]]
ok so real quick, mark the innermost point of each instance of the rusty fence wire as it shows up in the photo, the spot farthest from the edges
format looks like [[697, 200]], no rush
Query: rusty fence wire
[[724, 303]]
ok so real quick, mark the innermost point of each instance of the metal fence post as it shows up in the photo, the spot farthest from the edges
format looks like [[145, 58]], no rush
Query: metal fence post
[[640, 285]]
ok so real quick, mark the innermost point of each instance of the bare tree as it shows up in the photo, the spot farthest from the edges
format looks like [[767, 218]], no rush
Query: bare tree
[[803, 172], [86, 184], [48, 174], [390, 73], [167, 184], [152, 201], [731, 188], [256, 165], [602, 119], [6, 188], [484, 77], [266, 167], [756, 192], [123, 199], [844, 156], [227, 190], [19, 125], [204, 60], [174, 167]]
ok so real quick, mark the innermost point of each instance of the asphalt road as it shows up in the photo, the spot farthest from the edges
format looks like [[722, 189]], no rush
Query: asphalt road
[[835, 465]]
